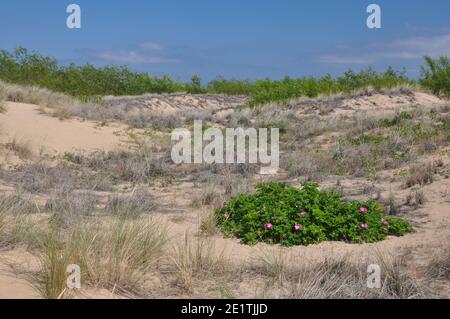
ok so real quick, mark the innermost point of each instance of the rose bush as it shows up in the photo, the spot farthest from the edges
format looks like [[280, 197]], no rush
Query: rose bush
[[277, 213]]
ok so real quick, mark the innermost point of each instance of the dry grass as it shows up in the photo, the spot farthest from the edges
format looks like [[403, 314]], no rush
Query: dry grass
[[21, 148], [196, 258], [2, 225], [55, 104], [130, 110], [439, 266], [208, 226], [18, 224], [420, 175], [3, 108], [40, 177], [116, 255], [140, 201], [416, 198], [271, 262], [343, 278], [141, 166]]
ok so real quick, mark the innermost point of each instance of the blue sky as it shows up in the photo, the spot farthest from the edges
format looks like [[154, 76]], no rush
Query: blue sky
[[236, 39]]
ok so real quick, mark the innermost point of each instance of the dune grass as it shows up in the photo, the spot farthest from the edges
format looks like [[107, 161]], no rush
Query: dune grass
[[115, 255]]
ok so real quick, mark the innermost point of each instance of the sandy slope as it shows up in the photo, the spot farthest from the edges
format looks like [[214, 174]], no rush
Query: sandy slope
[[432, 221], [13, 287], [13, 284], [24, 123]]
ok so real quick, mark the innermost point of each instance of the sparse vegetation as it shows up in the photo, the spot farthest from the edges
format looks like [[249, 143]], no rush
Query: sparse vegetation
[[138, 202], [116, 255], [196, 257], [420, 175], [439, 266], [22, 149]]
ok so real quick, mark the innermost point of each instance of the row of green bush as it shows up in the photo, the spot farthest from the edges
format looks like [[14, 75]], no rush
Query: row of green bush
[[23, 67], [264, 91], [279, 214]]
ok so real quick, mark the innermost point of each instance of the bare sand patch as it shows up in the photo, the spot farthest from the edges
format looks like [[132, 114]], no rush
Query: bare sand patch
[[25, 124]]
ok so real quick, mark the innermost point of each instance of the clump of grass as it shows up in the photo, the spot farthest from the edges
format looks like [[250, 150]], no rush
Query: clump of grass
[[51, 280], [439, 266], [18, 204], [67, 207], [195, 257], [398, 283], [342, 278], [208, 226], [22, 149], [331, 278], [208, 198], [3, 108], [18, 223], [140, 201], [81, 203], [22, 231], [142, 166], [272, 263], [2, 225], [416, 198], [40, 177], [141, 119], [420, 175], [116, 255]]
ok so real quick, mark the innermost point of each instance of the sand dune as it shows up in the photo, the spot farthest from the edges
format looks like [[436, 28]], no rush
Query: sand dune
[[25, 124]]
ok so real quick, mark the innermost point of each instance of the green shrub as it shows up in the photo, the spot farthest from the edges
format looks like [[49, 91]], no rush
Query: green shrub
[[366, 139], [84, 82], [273, 212], [280, 125], [88, 82], [267, 90], [436, 75]]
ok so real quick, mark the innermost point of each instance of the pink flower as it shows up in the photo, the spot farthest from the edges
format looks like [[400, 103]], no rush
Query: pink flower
[[223, 205], [298, 227], [363, 210], [364, 226], [302, 214], [268, 226], [385, 222]]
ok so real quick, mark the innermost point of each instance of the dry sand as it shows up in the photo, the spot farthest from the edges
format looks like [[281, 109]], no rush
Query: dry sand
[[25, 124]]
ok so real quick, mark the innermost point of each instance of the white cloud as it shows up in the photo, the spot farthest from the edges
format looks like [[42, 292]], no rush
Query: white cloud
[[131, 57], [413, 48], [336, 59], [151, 46], [419, 46]]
